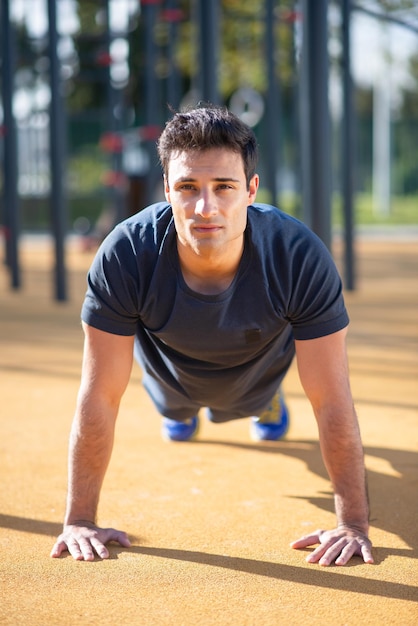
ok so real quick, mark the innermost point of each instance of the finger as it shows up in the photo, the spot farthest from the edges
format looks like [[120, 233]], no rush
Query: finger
[[307, 540], [119, 536], [346, 554], [366, 553], [74, 550], [326, 552], [85, 546], [354, 549], [123, 540], [58, 548], [101, 549]]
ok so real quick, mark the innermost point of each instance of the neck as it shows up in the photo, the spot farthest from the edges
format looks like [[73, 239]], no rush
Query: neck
[[211, 274]]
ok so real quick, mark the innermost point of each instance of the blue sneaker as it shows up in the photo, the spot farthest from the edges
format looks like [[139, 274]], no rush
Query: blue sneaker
[[172, 430], [273, 423]]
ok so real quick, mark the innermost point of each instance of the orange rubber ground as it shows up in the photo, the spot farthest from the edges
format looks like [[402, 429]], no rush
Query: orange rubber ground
[[210, 521]]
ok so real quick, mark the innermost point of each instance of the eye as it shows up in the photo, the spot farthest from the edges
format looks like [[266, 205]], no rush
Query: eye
[[186, 187]]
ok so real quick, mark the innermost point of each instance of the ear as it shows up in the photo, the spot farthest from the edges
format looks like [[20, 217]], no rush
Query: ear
[[253, 188], [166, 189]]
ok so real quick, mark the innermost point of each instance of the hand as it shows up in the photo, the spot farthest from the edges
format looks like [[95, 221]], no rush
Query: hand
[[83, 539], [337, 545]]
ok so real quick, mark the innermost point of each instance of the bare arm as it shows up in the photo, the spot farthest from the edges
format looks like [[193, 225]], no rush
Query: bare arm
[[107, 364], [323, 371]]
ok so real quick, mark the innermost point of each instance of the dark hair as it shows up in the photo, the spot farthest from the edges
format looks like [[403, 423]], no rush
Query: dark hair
[[204, 128]]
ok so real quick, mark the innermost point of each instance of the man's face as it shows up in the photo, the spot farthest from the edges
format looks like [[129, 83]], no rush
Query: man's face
[[209, 198]]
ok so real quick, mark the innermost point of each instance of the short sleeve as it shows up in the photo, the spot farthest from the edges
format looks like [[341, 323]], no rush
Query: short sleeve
[[111, 300], [316, 306]]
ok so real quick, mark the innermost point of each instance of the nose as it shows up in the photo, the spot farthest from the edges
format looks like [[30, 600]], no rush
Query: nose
[[206, 205]]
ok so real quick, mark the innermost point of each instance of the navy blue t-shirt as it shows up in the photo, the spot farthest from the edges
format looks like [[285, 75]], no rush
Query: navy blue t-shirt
[[228, 351]]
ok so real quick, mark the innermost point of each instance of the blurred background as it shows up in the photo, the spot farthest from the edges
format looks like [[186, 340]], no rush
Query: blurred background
[[87, 86]]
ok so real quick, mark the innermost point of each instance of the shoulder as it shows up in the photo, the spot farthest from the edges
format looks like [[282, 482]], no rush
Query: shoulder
[[121, 271], [155, 216], [288, 249], [133, 244], [266, 215], [269, 224], [147, 227]]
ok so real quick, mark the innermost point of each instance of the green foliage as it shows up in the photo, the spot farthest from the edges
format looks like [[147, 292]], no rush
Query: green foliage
[[86, 171], [404, 211], [91, 15], [241, 63], [394, 5], [242, 45], [241, 49]]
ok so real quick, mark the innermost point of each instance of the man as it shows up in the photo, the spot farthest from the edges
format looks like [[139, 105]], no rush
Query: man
[[214, 295]]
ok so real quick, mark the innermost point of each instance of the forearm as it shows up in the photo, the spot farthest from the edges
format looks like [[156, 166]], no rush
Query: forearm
[[90, 448], [323, 372], [343, 456]]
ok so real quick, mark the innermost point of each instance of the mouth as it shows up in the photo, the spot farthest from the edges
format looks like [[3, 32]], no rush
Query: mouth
[[206, 228]]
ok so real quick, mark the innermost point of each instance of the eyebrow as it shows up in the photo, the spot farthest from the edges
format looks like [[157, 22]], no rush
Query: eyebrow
[[218, 179]]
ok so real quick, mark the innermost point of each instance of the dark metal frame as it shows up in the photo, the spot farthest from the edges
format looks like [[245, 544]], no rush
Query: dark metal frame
[[314, 119]]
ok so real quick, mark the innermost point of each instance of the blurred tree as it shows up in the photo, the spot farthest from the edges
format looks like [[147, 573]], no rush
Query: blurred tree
[[242, 61], [409, 106], [87, 88], [406, 138]]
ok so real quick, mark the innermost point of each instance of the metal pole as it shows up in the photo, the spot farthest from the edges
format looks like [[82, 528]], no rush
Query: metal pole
[[208, 21], [272, 117], [149, 9], [11, 201], [57, 145], [316, 123], [173, 16], [295, 119], [113, 100], [347, 148]]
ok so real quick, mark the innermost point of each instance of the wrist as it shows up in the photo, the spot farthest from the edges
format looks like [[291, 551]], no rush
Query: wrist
[[79, 513], [359, 527], [74, 516], [79, 522]]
